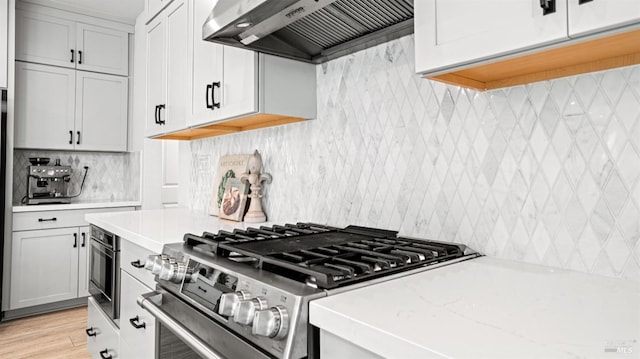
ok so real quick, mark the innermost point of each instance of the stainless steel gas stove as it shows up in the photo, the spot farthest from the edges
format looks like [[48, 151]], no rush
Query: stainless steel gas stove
[[245, 294]]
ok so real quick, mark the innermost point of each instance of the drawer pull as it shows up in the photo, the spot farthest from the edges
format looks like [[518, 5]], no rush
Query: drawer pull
[[91, 332], [52, 219], [105, 354], [137, 264], [134, 322], [202, 289]]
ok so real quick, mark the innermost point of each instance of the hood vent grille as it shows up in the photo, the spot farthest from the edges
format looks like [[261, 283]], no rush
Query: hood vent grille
[[337, 28], [345, 20]]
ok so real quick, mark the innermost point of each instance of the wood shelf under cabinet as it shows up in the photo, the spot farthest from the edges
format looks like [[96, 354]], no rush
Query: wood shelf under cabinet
[[251, 122], [598, 54]]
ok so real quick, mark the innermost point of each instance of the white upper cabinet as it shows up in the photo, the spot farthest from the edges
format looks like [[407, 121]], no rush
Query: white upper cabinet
[[206, 66], [101, 112], [450, 32], [102, 50], [64, 42], [167, 64], [44, 92], [4, 17], [45, 39], [596, 15], [65, 109]]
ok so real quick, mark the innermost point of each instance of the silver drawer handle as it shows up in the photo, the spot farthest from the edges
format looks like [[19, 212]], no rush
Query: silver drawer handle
[[151, 301]]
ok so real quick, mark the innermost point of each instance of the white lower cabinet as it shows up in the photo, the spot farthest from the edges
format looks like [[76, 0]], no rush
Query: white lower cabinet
[[44, 266], [137, 326], [103, 338], [49, 256]]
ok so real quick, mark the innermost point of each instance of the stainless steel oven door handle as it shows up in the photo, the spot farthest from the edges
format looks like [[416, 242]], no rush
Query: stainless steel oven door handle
[[151, 302]]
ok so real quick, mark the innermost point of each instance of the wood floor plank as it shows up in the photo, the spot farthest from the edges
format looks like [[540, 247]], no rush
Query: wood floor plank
[[53, 335]]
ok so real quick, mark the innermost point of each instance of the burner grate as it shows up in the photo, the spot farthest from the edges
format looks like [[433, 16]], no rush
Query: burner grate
[[327, 257]]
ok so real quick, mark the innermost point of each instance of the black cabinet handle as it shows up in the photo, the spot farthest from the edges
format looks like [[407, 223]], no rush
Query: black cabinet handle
[[105, 354], [202, 289], [78, 142], [160, 120], [207, 97], [52, 219], [156, 114], [73, 57], [91, 332], [75, 240], [137, 264], [134, 322], [548, 6], [214, 104], [71, 137], [84, 239], [79, 57], [580, 2]]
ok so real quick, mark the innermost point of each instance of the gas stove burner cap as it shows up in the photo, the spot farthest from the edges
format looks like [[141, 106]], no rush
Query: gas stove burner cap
[[39, 161]]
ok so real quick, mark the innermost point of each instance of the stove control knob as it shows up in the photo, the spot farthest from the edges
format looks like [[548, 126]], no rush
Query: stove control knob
[[229, 302], [247, 309], [154, 263], [272, 323], [173, 271]]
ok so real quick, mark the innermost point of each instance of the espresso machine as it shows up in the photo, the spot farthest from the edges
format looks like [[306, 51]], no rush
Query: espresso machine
[[47, 184]]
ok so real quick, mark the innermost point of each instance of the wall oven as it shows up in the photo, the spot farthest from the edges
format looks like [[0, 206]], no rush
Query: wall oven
[[104, 271]]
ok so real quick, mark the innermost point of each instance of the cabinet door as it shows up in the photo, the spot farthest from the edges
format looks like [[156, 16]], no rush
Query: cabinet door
[[598, 15], [206, 66], [155, 75], [44, 267], [3, 42], [177, 65], [451, 33], [44, 107], [104, 337], [102, 50], [239, 85], [45, 39], [137, 326], [101, 112], [83, 261]]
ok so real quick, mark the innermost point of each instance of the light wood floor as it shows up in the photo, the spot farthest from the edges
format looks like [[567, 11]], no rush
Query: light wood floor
[[54, 335]]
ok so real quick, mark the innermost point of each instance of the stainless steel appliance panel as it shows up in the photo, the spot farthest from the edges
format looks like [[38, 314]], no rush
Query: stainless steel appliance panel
[[104, 271]]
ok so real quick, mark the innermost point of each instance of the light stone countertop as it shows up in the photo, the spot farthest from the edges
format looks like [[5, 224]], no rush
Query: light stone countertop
[[488, 308], [152, 229], [74, 205]]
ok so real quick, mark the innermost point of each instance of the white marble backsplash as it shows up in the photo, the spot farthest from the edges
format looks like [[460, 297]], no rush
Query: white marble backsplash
[[112, 176], [542, 173]]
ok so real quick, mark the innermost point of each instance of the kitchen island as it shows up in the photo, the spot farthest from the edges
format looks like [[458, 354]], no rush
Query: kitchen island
[[484, 308]]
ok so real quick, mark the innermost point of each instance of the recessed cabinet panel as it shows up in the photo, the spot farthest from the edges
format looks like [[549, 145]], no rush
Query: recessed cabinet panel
[[45, 39], [450, 32], [44, 106], [101, 112], [102, 50], [155, 74], [206, 67], [44, 266], [176, 48], [598, 15], [137, 326]]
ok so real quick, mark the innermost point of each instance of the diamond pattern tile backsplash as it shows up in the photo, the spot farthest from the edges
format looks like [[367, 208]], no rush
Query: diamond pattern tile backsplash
[[544, 173], [111, 176]]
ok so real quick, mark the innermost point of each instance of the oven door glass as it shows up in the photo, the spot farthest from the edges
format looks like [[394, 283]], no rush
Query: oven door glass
[[101, 269], [172, 347]]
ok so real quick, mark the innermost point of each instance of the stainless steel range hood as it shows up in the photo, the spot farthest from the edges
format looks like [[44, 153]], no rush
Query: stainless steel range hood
[[308, 30]]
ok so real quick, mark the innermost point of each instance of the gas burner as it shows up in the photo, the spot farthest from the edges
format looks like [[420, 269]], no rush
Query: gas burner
[[322, 256]]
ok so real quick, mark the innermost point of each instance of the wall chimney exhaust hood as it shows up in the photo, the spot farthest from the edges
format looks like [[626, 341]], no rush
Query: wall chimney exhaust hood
[[313, 31]]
